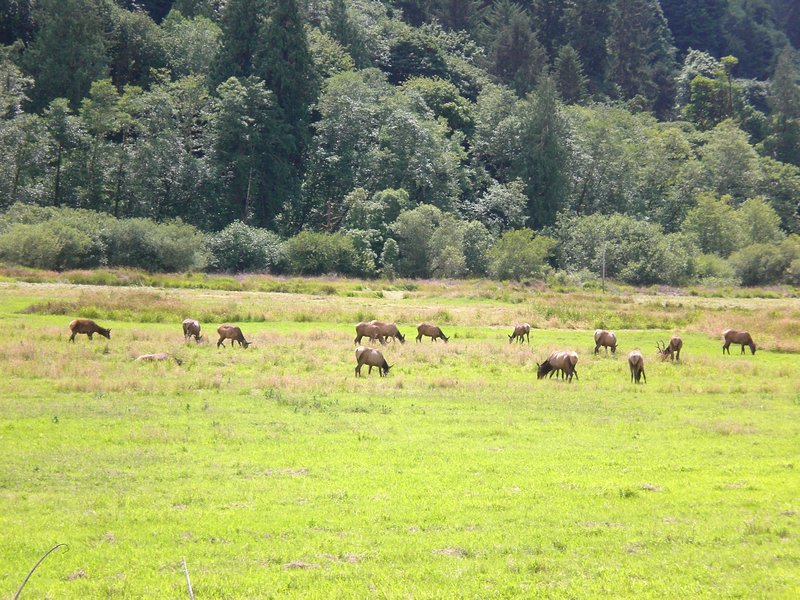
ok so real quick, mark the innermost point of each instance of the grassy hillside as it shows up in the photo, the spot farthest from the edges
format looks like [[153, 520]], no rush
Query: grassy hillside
[[276, 473]]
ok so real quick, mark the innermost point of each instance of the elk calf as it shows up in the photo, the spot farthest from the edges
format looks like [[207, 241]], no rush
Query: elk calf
[[520, 331], [373, 332], [673, 351], [88, 327], [191, 328], [606, 339], [737, 337], [432, 331], [371, 358], [233, 333], [636, 363], [563, 360]]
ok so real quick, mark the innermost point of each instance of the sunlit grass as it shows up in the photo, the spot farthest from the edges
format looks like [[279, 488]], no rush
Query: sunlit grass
[[277, 473]]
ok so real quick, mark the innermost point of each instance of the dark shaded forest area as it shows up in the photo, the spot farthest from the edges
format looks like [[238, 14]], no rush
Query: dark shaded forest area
[[449, 138]]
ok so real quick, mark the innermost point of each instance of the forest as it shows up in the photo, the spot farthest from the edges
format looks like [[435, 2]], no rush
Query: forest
[[659, 141]]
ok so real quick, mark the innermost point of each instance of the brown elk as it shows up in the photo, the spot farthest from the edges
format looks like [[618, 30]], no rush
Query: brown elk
[[371, 358], [233, 333], [389, 331], [432, 331], [520, 331], [606, 339], [562, 360], [191, 328], [636, 363], [737, 337], [158, 356], [373, 332], [88, 327], [673, 351]]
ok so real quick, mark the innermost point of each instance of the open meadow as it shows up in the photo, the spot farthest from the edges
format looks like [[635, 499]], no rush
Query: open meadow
[[277, 473]]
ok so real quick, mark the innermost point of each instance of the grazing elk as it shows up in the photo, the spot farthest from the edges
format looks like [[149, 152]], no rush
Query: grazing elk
[[191, 328], [737, 337], [432, 331], [371, 358], [373, 332], [606, 339], [158, 356], [520, 331], [233, 333], [389, 331], [88, 327], [563, 360], [636, 363], [673, 351]]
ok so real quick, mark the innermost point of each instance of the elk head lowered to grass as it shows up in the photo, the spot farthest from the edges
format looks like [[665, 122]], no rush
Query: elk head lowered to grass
[[520, 332], [371, 358], [368, 330], [233, 333], [673, 351], [606, 339], [432, 331], [561, 360], [191, 329], [737, 337], [88, 327], [389, 331]]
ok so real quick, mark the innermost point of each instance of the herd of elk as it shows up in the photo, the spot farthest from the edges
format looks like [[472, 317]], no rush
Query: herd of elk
[[562, 361], [520, 333]]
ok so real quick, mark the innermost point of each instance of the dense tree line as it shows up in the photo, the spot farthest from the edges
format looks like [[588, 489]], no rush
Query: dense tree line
[[414, 138]]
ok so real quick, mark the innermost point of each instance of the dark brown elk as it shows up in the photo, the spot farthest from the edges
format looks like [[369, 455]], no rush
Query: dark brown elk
[[636, 363], [371, 358], [191, 329], [389, 331], [673, 351], [561, 360], [520, 331], [432, 331], [88, 327], [233, 333], [606, 339], [368, 330], [157, 357], [737, 337]]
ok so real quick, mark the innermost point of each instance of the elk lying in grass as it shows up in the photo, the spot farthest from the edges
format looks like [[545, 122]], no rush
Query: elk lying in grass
[[737, 337], [636, 363], [371, 358], [606, 339], [520, 331], [191, 328], [673, 351], [158, 356], [373, 332], [233, 333], [88, 327], [432, 331], [389, 331], [561, 360]]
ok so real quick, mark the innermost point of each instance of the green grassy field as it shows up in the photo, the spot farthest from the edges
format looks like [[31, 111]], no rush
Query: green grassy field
[[276, 473]]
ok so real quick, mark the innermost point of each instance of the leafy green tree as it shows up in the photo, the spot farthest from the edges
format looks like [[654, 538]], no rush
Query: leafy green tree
[[542, 162], [444, 99], [63, 129], [714, 99], [413, 231], [16, 21], [191, 45], [458, 15], [569, 78], [760, 264], [760, 222], [135, 46], [14, 86], [749, 34], [781, 182], [477, 242], [414, 52], [342, 28], [239, 248], [390, 258], [730, 164], [715, 225], [501, 207], [446, 248], [329, 56], [520, 254], [69, 50]]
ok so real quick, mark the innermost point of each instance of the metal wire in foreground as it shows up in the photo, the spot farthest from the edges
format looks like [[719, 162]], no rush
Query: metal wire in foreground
[[19, 591], [188, 581]]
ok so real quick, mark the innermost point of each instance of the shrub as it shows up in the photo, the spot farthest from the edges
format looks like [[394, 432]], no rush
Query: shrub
[[239, 248], [520, 254], [389, 258], [312, 253], [48, 245], [760, 264]]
